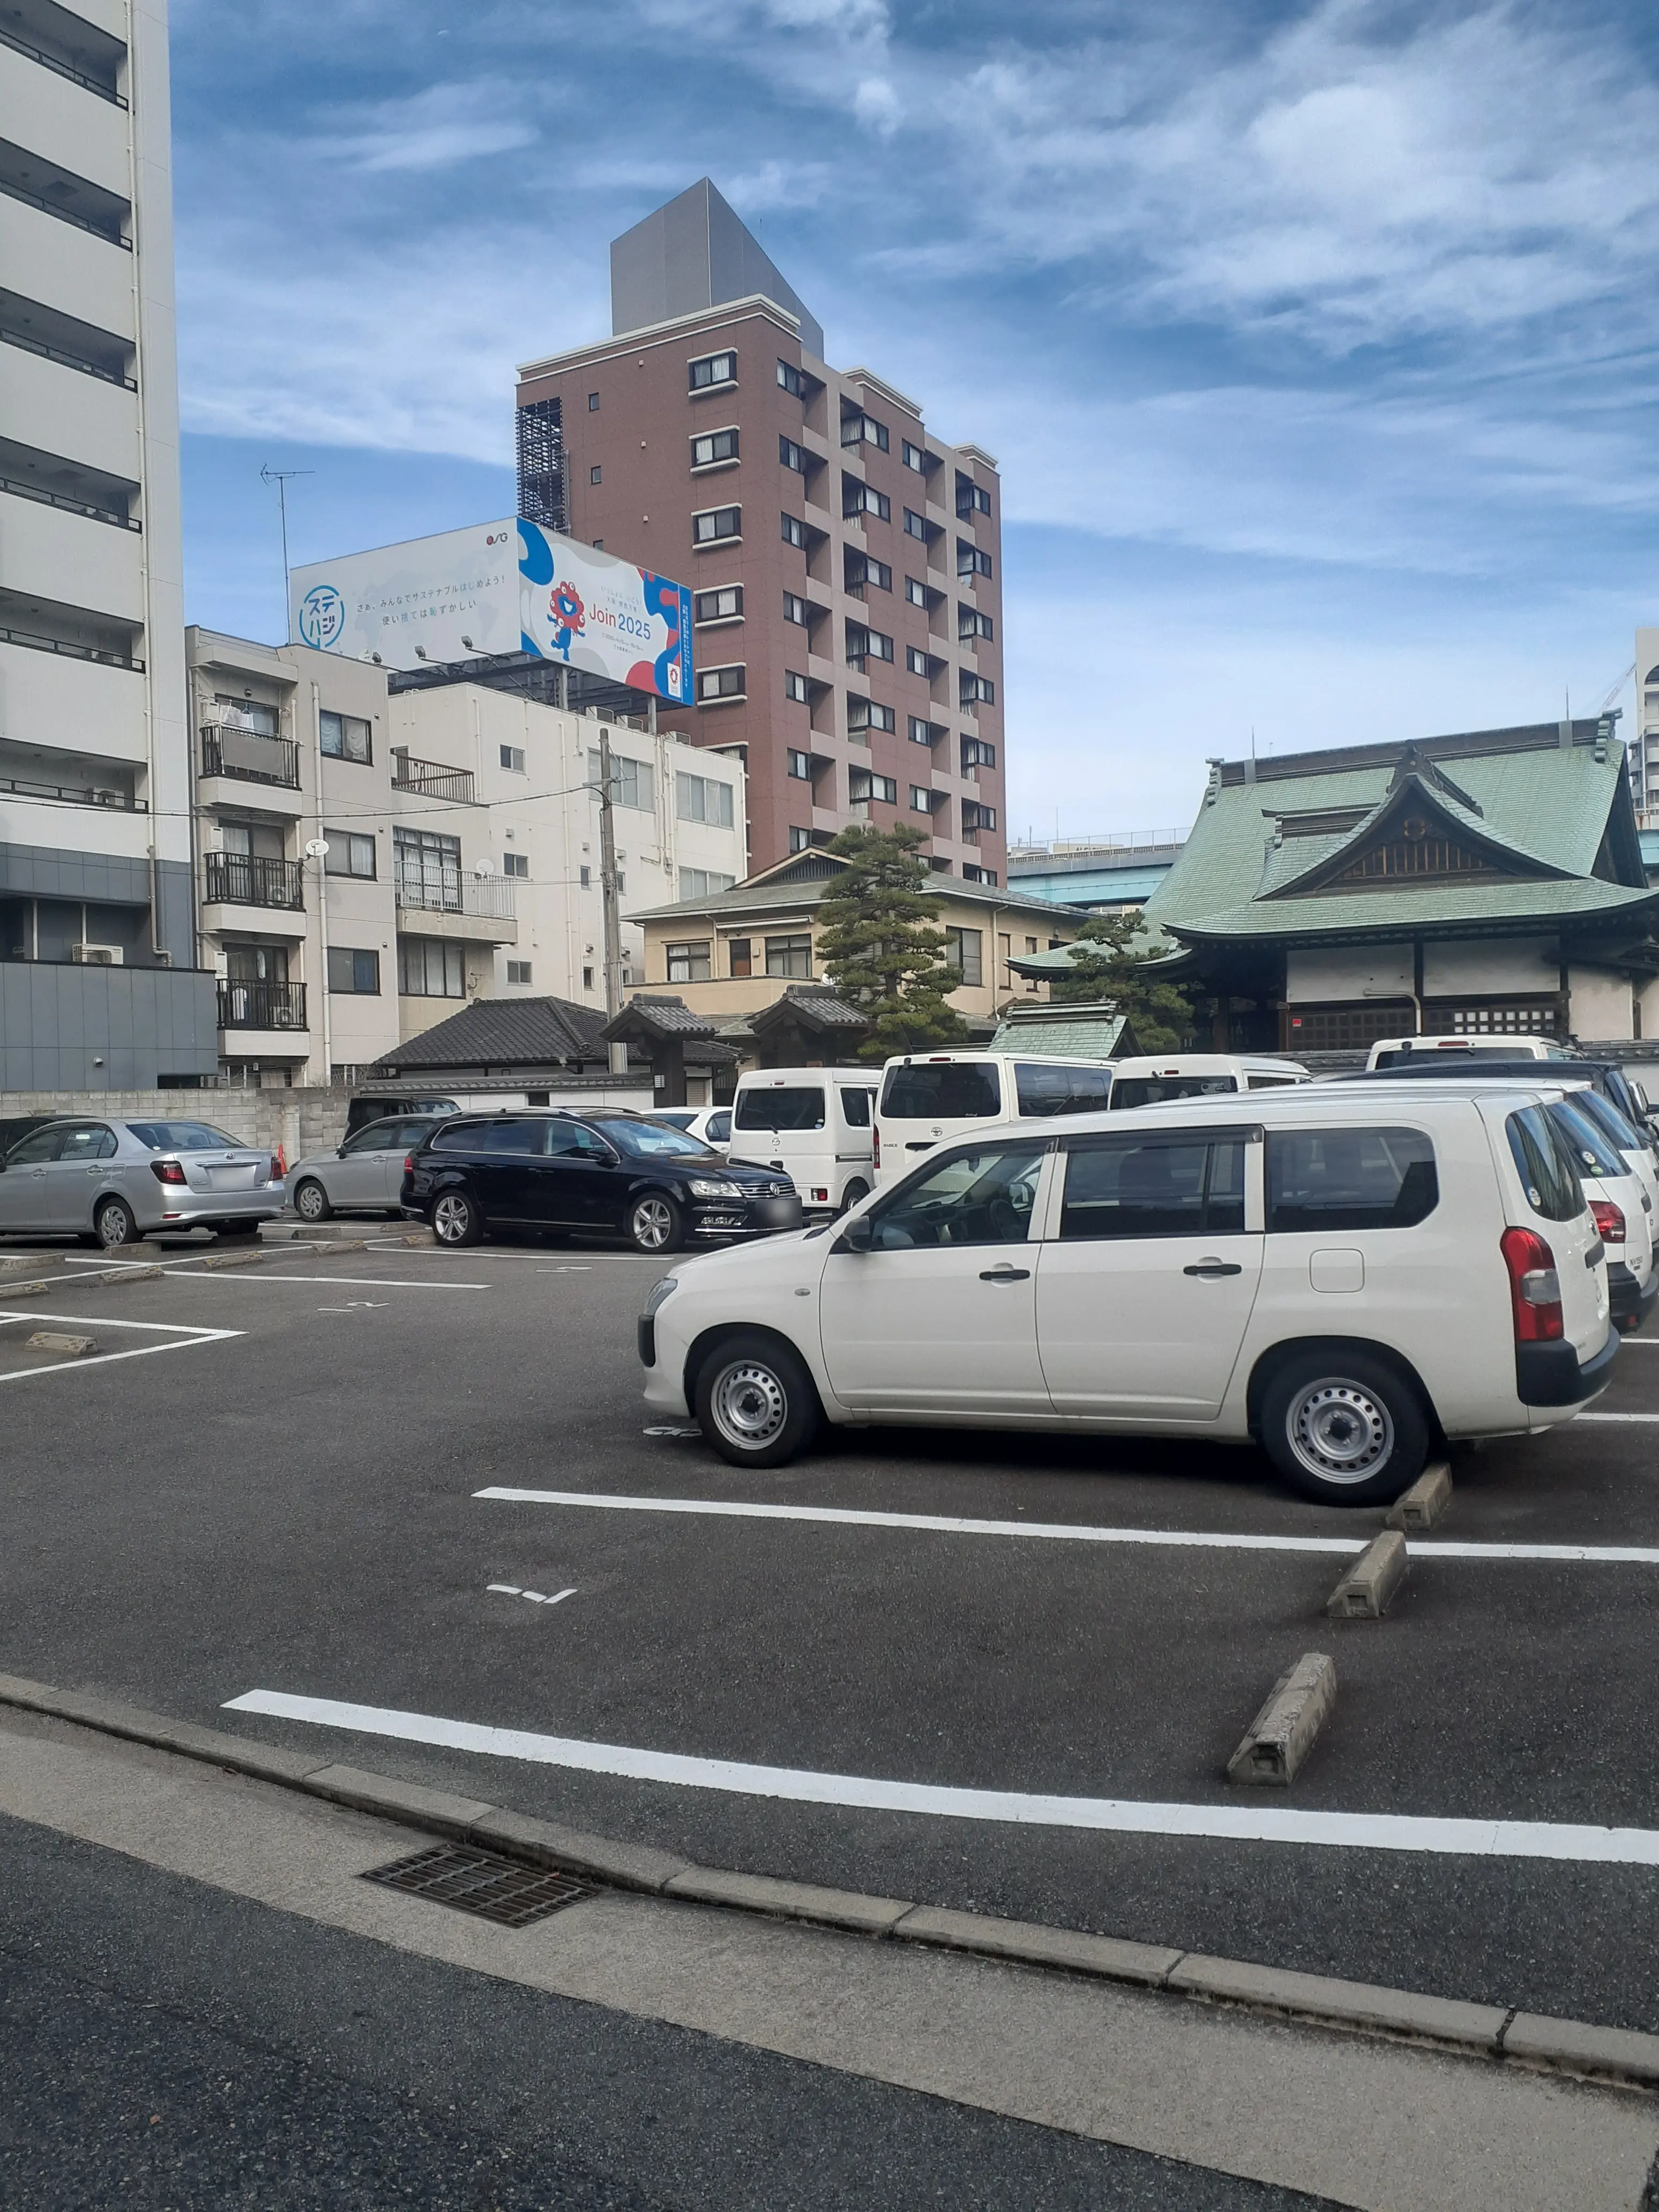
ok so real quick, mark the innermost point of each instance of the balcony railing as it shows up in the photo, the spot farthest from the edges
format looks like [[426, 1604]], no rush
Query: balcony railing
[[67, 646], [248, 879], [75, 794], [261, 1005], [249, 756], [432, 778], [490, 897]]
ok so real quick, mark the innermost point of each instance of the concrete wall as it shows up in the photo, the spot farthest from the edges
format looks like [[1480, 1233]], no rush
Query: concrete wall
[[1495, 965], [1599, 1004], [1319, 972], [300, 1121], [98, 1029]]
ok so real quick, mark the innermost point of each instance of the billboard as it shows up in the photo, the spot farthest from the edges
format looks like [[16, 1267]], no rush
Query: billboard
[[506, 587]]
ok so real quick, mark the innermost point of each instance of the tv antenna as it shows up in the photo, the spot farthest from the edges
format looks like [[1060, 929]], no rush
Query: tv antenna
[[280, 478]]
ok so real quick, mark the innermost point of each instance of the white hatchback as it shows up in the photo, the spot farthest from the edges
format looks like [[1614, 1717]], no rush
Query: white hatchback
[[1349, 1279]]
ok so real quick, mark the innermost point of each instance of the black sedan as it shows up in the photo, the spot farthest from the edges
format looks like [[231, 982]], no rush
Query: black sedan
[[601, 1174]]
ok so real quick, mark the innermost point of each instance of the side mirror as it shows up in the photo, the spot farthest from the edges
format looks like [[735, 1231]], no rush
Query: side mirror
[[857, 1237]]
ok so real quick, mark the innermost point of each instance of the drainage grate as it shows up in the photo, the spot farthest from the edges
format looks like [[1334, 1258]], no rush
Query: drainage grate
[[477, 1882]]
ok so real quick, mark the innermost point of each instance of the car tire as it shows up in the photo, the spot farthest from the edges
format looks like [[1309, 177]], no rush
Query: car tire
[[1344, 1426], [654, 1223], [754, 1402], [854, 1191], [115, 1223], [311, 1201], [236, 1228], [455, 1219]]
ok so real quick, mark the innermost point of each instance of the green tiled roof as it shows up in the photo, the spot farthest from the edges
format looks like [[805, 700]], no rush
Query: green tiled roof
[[1075, 1032], [1454, 906]]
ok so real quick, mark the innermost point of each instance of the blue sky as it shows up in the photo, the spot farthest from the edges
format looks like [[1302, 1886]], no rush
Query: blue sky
[[1317, 343]]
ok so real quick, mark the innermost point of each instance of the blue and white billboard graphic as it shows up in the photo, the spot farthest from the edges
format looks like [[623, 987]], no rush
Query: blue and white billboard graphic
[[595, 611]]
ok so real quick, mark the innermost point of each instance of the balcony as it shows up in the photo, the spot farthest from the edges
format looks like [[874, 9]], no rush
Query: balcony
[[247, 757], [246, 879], [75, 794], [269, 1007], [432, 778], [469, 910]]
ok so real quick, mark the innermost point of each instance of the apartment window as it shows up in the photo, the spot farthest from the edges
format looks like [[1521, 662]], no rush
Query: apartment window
[[513, 758], [863, 643], [863, 785], [587, 979], [868, 715], [790, 956], [632, 781], [724, 605], [715, 525], [794, 609], [914, 458], [592, 403], [791, 455], [863, 430], [924, 732], [794, 687], [721, 684], [518, 971], [690, 964], [970, 562], [596, 474], [798, 764], [976, 753], [714, 446], [795, 534], [790, 380], [703, 798], [599, 544], [429, 968], [515, 864], [975, 817], [349, 855], [970, 875], [350, 969], [920, 663], [858, 497], [703, 882], [963, 949], [971, 623], [739, 956], [799, 841], [915, 591], [974, 688], [584, 878], [921, 799], [345, 737], [713, 368], [863, 569], [971, 499]]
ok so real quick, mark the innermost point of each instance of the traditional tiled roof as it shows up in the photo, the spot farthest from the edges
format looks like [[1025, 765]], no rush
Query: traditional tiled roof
[[507, 1033], [1087, 1032], [814, 1005], [651, 1016], [796, 885]]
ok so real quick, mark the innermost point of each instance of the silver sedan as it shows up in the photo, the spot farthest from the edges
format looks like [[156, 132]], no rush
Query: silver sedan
[[111, 1182], [364, 1175]]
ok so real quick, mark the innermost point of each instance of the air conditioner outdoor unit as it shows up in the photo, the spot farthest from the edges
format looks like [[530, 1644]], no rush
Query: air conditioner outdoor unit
[[98, 956]]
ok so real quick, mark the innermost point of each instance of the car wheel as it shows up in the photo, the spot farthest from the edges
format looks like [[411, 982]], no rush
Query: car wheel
[[654, 1223], [236, 1228], [755, 1402], [311, 1201], [456, 1220], [115, 1223], [1346, 1427], [854, 1191]]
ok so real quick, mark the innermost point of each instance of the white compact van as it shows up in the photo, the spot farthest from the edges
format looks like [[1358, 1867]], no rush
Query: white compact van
[[1155, 1081], [1351, 1277], [815, 1124], [1389, 1052], [929, 1096]]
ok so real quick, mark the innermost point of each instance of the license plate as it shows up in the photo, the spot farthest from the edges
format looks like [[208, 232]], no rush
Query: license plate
[[242, 1175]]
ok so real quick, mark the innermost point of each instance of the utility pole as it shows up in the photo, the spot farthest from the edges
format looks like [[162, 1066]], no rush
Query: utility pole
[[608, 896]]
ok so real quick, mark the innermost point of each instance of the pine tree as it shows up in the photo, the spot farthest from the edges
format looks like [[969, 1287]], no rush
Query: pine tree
[[1105, 966], [879, 948]]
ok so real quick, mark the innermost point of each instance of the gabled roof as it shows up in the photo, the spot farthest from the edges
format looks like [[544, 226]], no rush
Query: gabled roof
[[649, 1016], [812, 1006], [505, 1033], [1094, 1031], [1416, 807], [796, 883]]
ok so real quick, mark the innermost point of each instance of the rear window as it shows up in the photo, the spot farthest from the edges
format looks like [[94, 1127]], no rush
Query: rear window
[[457, 1137], [942, 1091], [1060, 1090], [855, 1108], [1549, 1174], [1592, 1152], [783, 1106], [1348, 1179], [1609, 1120], [1158, 1089], [183, 1137]]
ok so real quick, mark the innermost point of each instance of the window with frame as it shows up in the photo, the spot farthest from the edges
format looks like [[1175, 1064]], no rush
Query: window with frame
[[791, 455], [914, 458], [518, 971], [703, 798], [690, 962], [798, 764], [922, 799], [970, 562], [864, 643], [977, 752], [800, 840], [862, 570], [723, 604], [982, 1195], [971, 498], [864, 714], [428, 968], [964, 950], [584, 878], [795, 609], [348, 854], [633, 782], [345, 737], [791, 956], [716, 524], [711, 447], [924, 732], [596, 474], [515, 864], [915, 525], [712, 368], [1151, 1186], [975, 815], [1334, 1179], [790, 381], [970, 623], [720, 683], [972, 875], [592, 403], [858, 497], [513, 759], [738, 958], [920, 663], [87, 1140], [915, 591], [356, 969], [863, 430], [795, 532], [863, 785], [975, 690], [703, 882], [794, 687]]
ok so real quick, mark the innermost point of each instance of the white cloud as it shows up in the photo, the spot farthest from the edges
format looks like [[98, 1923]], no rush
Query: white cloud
[[433, 128]]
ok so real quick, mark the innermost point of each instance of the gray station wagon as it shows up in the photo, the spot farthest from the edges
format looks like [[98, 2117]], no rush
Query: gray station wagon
[[111, 1182]]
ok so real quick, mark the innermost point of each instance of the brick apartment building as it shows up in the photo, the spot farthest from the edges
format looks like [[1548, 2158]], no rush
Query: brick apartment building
[[845, 563]]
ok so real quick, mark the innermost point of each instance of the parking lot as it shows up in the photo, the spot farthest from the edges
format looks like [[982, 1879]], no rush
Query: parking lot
[[405, 1507]]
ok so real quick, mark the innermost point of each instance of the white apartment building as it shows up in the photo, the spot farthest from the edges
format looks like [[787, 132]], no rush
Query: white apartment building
[[1644, 746], [97, 981], [462, 862]]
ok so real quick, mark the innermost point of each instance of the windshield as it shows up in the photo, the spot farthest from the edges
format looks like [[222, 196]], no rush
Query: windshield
[[183, 1137], [654, 1140], [1158, 1089], [941, 1090]]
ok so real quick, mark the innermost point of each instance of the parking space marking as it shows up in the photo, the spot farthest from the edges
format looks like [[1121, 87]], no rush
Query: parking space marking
[[1372, 1831], [354, 1282], [182, 1338], [536, 1597], [1645, 1555], [1617, 1417]]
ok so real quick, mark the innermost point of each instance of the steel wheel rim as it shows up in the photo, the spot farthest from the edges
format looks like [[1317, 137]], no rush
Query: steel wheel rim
[[1340, 1431], [308, 1204], [653, 1219], [750, 1405], [451, 1218], [108, 1216]]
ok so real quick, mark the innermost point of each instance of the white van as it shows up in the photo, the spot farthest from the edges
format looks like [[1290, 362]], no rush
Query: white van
[[815, 1124], [1389, 1052], [1156, 1081], [927, 1097]]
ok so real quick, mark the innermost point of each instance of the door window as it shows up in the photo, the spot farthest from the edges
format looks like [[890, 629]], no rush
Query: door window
[[88, 1141], [519, 1137], [942, 1091], [1184, 1189], [379, 1137], [720, 1128], [1350, 1179], [789, 1106], [983, 1196], [34, 1150], [571, 1140], [1045, 1090], [855, 1108]]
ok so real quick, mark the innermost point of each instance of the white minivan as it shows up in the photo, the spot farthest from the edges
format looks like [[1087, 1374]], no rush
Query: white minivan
[[927, 1097], [1155, 1080], [1349, 1278], [815, 1124]]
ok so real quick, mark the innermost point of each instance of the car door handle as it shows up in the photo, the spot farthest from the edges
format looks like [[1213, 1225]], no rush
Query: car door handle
[[1214, 1267], [1005, 1274]]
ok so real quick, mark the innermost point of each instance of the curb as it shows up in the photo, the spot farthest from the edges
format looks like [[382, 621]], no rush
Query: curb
[[1622, 2056]]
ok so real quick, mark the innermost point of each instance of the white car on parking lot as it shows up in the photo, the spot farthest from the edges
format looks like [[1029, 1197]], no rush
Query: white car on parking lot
[[1347, 1278]]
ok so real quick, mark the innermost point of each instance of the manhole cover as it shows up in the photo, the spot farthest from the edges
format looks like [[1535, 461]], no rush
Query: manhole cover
[[478, 1882]]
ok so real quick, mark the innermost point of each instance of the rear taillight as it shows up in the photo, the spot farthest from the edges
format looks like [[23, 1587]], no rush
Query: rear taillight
[[167, 1170], [1535, 1286], [1609, 1220], [278, 1165], [409, 1162], [875, 1148]]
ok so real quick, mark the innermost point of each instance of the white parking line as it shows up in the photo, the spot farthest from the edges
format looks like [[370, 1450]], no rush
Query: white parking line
[[356, 1282], [1254, 1823], [1619, 1417], [536, 1597], [182, 1340], [1228, 1539]]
